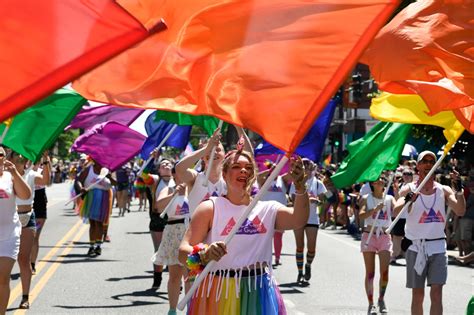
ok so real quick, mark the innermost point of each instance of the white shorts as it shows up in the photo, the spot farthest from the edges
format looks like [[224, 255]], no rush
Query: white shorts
[[10, 247]]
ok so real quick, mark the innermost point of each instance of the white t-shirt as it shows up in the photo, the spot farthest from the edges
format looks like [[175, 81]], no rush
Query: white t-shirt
[[29, 178], [315, 188]]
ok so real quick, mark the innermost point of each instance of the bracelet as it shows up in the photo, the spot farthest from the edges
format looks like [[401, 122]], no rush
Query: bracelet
[[194, 263], [305, 192]]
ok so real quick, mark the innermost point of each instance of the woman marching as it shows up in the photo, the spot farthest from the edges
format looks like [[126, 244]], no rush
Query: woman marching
[[316, 190], [27, 219], [241, 280], [380, 243], [96, 205], [12, 186], [178, 220]]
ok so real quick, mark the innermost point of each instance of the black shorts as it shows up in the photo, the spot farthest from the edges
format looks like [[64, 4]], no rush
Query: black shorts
[[157, 224], [122, 186], [40, 203], [312, 225], [399, 228]]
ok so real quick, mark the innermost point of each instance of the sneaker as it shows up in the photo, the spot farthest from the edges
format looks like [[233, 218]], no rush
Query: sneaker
[[382, 307], [91, 252], [98, 251], [307, 272], [300, 277], [372, 310], [33, 268]]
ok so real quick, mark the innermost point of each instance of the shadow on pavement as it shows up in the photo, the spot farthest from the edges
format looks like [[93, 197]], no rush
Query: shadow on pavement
[[132, 304], [145, 293], [144, 232], [129, 278]]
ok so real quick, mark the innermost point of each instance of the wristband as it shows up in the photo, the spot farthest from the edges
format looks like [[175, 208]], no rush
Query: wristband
[[194, 262], [305, 192], [408, 197]]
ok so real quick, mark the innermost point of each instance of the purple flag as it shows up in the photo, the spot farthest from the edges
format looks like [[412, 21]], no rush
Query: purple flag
[[110, 144], [90, 116]]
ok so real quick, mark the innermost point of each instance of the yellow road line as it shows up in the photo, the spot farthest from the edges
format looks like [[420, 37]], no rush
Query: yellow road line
[[15, 293], [50, 272]]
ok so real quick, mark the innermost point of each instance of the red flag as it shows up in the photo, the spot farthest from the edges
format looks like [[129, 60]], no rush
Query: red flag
[[46, 44], [427, 50], [268, 65]]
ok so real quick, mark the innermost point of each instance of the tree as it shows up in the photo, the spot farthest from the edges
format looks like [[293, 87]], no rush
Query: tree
[[64, 143]]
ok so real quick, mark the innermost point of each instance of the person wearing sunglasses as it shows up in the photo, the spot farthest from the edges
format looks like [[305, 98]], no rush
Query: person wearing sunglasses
[[27, 218], [12, 186], [425, 225]]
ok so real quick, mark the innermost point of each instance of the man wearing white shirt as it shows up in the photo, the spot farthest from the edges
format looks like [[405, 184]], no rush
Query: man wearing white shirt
[[425, 223]]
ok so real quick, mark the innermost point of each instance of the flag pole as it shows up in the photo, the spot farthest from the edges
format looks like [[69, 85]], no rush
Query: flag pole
[[211, 159], [372, 228], [4, 134], [234, 230], [145, 164], [417, 190], [168, 206]]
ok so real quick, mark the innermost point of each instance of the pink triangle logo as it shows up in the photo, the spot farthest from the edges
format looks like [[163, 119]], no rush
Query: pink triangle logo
[[228, 227], [3, 194]]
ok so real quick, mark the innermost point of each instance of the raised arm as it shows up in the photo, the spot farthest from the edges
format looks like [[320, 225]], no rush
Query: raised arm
[[185, 167], [44, 178], [292, 218], [247, 144], [456, 201]]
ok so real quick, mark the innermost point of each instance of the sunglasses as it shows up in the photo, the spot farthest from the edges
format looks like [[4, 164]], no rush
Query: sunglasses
[[432, 162], [408, 174]]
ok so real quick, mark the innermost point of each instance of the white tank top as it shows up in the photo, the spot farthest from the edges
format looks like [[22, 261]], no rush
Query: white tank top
[[385, 215], [200, 193], [253, 241], [29, 178], [427, 218], [277, 191], [93, 177], [10, 225], [162, 184]]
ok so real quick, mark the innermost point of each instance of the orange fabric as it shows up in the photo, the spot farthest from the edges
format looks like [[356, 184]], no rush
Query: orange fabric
[[268, 65], [46, 44], [427, 49]]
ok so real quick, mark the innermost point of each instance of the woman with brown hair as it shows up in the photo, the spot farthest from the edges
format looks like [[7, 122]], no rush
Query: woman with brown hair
[[241, 278]]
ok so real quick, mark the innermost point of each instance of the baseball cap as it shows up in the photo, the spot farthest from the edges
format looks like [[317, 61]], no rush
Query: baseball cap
[[425, 153]]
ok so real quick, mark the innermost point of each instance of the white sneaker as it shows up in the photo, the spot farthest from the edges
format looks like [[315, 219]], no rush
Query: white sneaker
[[372, 310], [382, 307]]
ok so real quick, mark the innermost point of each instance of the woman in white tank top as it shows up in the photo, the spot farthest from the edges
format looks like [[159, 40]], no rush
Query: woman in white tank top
[[12, 185], [243, 267], [26, 213]]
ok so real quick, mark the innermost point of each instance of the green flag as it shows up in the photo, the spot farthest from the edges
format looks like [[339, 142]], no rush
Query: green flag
[[378, 150], [208, 123], [37, 128]]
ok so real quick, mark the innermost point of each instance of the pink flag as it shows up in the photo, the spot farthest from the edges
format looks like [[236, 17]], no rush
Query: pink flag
[[111, 144], [90, 116]]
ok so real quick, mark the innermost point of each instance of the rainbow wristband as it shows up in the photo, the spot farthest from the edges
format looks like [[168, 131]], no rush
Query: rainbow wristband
[[194, 263]]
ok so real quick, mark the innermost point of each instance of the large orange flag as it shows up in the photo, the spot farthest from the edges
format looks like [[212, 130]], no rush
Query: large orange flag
[[427, 49], [268, 65], [45, 44]]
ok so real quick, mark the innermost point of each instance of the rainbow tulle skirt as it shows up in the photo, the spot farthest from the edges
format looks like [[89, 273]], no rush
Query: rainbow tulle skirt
[[97, 205], [234, 295]]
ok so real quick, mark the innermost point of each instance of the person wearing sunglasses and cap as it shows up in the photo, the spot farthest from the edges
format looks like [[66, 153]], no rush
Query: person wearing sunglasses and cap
[[12, 185], [425, 224]]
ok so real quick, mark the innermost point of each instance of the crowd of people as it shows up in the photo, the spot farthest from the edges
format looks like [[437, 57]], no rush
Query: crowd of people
[[194, 203]]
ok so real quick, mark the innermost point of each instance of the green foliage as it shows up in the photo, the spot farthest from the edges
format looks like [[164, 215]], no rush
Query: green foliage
[[64, 143], [432, 134]]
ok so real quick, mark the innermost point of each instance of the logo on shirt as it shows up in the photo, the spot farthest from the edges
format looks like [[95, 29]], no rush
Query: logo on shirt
[[3, 194], [431, 217], [383, 215], [248, 227], [275, 188], [184, 209]]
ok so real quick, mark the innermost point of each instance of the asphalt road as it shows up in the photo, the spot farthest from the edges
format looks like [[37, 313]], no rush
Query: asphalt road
[[118, 281]]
